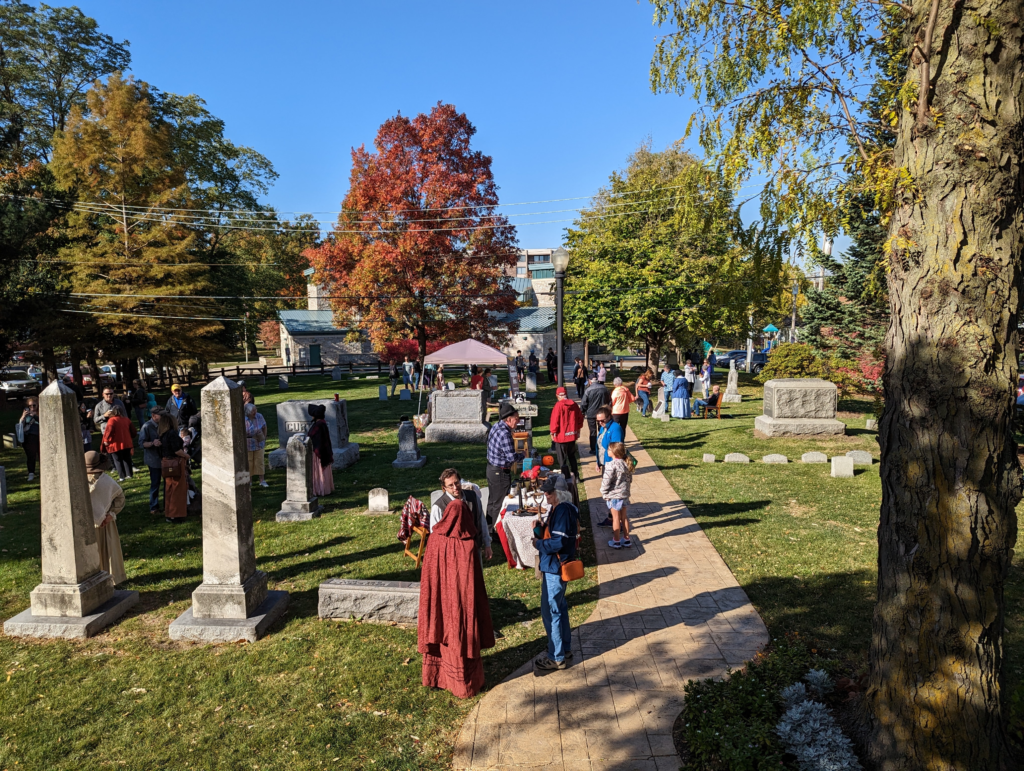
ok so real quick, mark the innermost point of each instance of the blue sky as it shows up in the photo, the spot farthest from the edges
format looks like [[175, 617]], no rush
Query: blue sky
[[558, 91]]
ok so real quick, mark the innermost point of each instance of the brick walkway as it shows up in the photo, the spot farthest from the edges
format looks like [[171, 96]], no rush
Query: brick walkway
[[669, 610]]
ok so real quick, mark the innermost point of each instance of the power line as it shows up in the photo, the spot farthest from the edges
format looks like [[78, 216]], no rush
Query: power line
[[145, 316]]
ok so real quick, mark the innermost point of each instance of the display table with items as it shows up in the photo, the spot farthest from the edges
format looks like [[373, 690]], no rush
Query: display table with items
[[520, 510]]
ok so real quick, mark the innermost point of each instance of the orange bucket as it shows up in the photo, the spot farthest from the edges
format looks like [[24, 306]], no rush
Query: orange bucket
[[548, 460]]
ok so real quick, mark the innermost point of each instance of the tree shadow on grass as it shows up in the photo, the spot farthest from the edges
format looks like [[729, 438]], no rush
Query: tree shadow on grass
[[726, 509]]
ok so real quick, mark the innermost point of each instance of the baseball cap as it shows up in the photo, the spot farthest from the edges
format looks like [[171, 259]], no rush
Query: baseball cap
[[560, 391]]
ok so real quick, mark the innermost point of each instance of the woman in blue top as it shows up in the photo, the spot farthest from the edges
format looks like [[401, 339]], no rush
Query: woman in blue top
[[680, 398], [612, 432]]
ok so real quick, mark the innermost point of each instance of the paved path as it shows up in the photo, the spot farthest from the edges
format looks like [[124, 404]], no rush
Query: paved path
[[669, 610]]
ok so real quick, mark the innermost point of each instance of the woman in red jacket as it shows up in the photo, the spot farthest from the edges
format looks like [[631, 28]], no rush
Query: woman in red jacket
[[566, 421], [117, 440]]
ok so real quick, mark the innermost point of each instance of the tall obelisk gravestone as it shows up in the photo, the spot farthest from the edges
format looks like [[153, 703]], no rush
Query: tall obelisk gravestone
[[232, 603], [76, 598]]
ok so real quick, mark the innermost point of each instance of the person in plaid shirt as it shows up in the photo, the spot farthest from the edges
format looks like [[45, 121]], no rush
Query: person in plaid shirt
[[501, 455]]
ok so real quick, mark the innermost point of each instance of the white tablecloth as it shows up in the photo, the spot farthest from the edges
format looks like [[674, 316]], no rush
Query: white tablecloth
[[519, 531]]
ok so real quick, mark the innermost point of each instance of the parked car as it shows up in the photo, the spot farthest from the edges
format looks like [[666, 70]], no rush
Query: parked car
[[18, 383], [757, 362], [723, 359], [34, 371]]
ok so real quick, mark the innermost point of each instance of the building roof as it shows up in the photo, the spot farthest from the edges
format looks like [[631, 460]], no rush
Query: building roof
[[522, 287], [309, 323], [532, 319]]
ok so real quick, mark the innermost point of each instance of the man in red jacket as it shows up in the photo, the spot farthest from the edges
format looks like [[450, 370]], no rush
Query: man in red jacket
[[566, 421]]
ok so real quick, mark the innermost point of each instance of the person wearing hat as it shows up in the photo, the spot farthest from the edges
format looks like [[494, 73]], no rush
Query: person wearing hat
[[556, 544], [180, 406], [107, 499], [566, 422], [501, 455], [594, 398], [323, 454]]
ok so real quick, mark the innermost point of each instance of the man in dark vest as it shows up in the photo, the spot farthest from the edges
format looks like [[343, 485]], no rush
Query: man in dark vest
[[452, 489], [595, 397]]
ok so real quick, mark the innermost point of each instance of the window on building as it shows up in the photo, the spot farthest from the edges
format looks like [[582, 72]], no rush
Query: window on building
[[539, 258], [521, 272]]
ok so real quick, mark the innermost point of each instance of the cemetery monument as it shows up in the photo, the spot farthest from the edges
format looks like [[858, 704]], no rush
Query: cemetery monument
[[300, 505], [457, 416], [408, 448], [799, 407], [293, 418]]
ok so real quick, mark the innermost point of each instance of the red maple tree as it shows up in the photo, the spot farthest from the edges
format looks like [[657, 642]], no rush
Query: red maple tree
[[418, 250]]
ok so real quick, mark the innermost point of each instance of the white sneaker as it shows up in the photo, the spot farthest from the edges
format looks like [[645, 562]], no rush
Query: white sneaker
[[263, 483], [31, 476]]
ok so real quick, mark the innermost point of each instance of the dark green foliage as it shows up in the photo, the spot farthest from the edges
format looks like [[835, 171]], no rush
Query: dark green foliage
[[792, 360], [730, 724]]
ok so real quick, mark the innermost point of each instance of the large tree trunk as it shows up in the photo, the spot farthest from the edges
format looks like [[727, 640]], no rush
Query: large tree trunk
[[950, 476]]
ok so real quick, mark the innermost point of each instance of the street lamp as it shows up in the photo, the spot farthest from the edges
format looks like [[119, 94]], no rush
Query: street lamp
[[559, 261]]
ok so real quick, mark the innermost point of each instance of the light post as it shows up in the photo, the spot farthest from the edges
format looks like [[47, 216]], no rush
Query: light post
[[559, 261]]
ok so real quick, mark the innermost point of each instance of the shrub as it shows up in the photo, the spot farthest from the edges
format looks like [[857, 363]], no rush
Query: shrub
[[730, 724], [811, 734], [792, 360]]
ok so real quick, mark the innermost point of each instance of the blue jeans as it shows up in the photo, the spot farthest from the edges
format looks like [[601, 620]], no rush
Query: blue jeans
[[155, 481], [555, 612], [140, 415], [645, 402]]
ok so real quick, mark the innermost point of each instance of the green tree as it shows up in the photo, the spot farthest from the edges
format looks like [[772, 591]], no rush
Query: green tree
[[783, 84], [658, 257]]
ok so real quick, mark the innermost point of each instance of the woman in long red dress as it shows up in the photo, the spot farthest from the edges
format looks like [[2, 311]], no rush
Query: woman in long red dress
[[454, 623], [323, 454]]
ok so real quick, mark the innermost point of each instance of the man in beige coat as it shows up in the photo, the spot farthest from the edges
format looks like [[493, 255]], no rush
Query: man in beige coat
[[107, 501]]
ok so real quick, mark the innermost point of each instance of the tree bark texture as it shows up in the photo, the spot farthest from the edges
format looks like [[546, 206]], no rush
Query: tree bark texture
[[950, 475]]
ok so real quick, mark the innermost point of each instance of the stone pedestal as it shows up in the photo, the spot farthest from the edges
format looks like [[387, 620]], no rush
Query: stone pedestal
[[799, 407], [233, 601], [408, 448], [293, 418], [75, 598], [300, 505], [397, 601], [732, 389], [457, 416]]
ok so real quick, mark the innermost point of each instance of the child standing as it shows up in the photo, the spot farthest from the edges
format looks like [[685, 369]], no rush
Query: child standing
[[615, 486]]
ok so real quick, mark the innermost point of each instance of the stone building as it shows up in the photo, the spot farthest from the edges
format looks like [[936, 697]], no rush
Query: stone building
[[311, 338]]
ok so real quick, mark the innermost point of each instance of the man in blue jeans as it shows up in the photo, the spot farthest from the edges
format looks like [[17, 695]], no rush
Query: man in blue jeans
[[149, 441], [558, 547]]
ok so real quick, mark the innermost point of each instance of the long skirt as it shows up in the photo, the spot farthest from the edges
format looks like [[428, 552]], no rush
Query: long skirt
[[176, 497], [323, 479], [109, 542], [443, 669], [680, 407]]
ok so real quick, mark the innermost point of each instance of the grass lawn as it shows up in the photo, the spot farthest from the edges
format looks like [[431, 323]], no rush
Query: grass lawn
[[802, 544], [312, 694]]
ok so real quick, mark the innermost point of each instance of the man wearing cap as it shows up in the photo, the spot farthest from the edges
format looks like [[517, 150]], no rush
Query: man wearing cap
[[501, 455], [594, 398], [556, 544], [566, 422], [180, 406]]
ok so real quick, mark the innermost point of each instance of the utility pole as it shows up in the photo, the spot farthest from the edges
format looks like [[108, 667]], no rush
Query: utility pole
[[245, 335], [792, 328], [750, 342]]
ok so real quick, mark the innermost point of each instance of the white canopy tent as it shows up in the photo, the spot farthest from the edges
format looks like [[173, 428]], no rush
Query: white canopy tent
[[467, 352]]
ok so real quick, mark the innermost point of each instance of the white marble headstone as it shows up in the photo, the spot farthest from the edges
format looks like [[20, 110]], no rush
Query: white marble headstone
[[379, 500]]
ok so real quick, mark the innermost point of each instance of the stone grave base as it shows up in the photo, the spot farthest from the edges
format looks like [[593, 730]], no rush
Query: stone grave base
[[27, 625], [732, 398], [772, 427], [397, 601], [418, 463], [475, 433], [299, 512], [186, 627], [343, 457]]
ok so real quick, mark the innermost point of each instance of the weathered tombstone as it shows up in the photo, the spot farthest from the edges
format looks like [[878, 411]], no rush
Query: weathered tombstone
[[293, 418], [531, 384], [373, 377], [390, 601], [775, 458], [233, 602], [3, 491], [10, 442], [336, 373], [732, 388], [709, 458], [860, 457], [282, 382], [842, 466], [377, 502], [262, 380], [814, 457], [736, 457], [665, 418], [300, 505], [405, 395], [408, 448], [382, 393], [799, 407], [871, 424], [75, 598], [457, 416], [661, 407]]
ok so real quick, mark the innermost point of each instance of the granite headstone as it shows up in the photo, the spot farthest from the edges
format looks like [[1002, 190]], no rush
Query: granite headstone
[[799, 407], [293, 418], [457, 416], [301, 505], [378, 501], [408, 448]]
